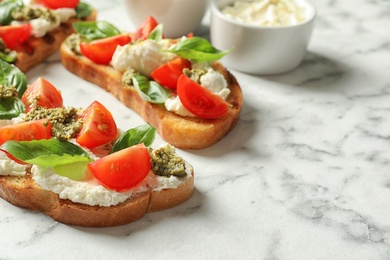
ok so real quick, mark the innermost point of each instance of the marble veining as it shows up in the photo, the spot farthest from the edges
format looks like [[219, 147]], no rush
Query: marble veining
[[304, 174]]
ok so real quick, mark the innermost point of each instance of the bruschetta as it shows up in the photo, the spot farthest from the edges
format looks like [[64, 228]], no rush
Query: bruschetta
[[75, 165], [30, 32], [177, 85]]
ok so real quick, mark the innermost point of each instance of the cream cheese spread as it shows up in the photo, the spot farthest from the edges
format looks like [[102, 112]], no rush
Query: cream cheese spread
[[41, 26], [92, 193], [144, 56], [266, 12], [80, 191], [65, 14], [10, 167]]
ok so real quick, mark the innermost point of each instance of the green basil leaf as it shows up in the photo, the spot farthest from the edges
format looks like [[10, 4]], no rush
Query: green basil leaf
[[83, 10], [12, 76], [11, 107], [73, 170], [72, 167], [6, 10], [95, 30], [150, 91], [32, 150], [157, 33], [9, 58], [197, 49], [141, 134], [53, 160]]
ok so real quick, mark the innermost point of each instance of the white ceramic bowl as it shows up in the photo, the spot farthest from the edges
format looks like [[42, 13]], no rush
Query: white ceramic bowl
[[260, 50], [179, 17]]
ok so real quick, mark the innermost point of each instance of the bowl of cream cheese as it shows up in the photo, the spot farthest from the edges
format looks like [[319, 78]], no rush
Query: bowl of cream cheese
[[266, 37]]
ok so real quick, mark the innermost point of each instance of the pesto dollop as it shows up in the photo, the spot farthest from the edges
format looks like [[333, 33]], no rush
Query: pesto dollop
[[66, 122], [73, 42], [9, 91], [128, 76], [194, 74], [165, 162], [28, 13]]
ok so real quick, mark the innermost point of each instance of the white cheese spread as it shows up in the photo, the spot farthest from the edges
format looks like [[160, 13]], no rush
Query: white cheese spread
[[10, 167], [41, 26], [266, 12], [216, 83], [65, 14], [92, 193], [144, 56], [174, 104], [80, 191]]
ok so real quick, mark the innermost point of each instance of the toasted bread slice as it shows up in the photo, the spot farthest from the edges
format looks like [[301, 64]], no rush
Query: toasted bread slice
[[181, 132], [24, 192], [36, 50]]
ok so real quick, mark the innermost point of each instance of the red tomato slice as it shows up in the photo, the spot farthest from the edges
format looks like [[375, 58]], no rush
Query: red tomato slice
[[26, 131], [168, 74], [177, 65], [199, 100], [98, 128], [101, 51], [123, 169], [15, 35], [145, 29], [54, 4], [48, 96]]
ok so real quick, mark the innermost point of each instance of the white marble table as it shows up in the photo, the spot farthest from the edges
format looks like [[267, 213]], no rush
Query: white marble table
[[304, 175]]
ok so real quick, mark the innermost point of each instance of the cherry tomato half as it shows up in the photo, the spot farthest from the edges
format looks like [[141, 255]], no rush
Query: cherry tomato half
[[199, 100], [98, 128], [123, 169], [145, 29], [44, 92], [55, 4], [26, 131], [168, 74], [101, 51], [15, 35]]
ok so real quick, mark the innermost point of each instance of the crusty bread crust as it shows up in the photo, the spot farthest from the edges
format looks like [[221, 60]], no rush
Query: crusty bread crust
[[181, 132], [36, 50], [26, 193]]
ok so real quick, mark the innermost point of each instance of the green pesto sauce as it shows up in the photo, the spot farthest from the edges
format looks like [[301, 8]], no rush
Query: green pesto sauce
[[73, 42], [28, 13], [166, 163], [127, 77], [9, 91], [65, 121], [194, 74]]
